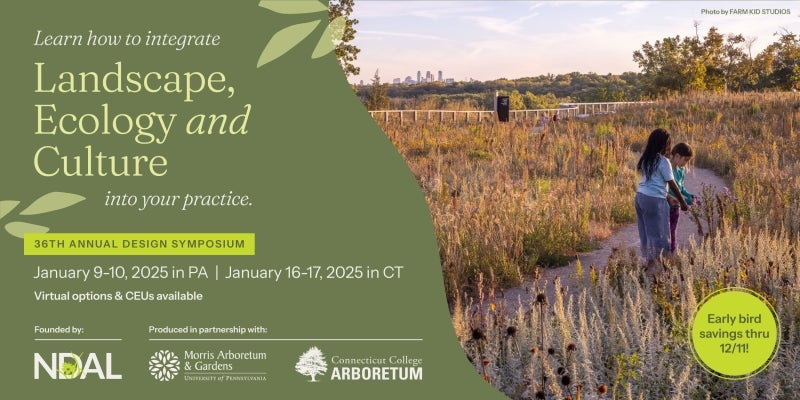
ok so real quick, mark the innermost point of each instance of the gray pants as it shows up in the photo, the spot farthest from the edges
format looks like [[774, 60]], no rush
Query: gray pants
[[652, 217]]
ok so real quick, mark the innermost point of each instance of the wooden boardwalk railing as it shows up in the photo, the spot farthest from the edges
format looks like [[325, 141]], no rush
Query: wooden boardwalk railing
[[565, 110], [586, 109], [432, 115]]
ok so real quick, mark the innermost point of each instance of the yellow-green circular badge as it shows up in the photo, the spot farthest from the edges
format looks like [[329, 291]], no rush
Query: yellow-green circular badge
[[735, 333]]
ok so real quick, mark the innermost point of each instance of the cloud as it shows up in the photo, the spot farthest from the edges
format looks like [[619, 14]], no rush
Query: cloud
[[633, 7], [502, 25], [497, 25], [477, 49], [596, 24], [369, 34], [418, 9]]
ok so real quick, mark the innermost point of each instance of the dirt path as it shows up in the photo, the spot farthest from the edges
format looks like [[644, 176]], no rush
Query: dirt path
[[623, 239]]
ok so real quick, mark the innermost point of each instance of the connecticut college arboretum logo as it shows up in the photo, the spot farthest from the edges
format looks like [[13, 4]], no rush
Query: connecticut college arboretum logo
[[360, 366], [312, 363]]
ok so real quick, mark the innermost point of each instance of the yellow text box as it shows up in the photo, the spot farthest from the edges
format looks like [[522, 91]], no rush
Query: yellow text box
[[140, 244]]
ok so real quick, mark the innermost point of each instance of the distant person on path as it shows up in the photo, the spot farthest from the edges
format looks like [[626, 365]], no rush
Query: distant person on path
[[652, 208], [679, 157], [544, 119]]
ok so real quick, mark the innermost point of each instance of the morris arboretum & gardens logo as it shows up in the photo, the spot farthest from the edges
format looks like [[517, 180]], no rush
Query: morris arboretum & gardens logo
[[164, 365], [312, 363]]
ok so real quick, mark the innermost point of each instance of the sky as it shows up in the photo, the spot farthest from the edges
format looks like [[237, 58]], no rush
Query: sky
[[486, 40]]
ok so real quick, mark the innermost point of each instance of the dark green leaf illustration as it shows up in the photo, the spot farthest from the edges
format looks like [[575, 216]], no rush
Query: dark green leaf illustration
[[330, 38], [293, 7], [51, 202], [285, 40], [6, 206], [19, 229]]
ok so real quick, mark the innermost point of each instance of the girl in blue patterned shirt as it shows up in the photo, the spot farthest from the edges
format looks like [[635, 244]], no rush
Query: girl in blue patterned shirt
[[652, 208]]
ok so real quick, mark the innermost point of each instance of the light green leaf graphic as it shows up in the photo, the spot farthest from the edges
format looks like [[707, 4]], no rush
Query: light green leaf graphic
[[51, 202], [71, 370], [293, 7], [285, 40], [19, 229], [330, 38], [6, 206]]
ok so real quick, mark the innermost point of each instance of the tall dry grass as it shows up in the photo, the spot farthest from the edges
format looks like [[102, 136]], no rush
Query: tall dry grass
[[632, 335], [506, 198], [509, 198]]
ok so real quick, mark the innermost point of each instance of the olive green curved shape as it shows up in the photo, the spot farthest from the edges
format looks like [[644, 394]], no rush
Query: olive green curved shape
[[327, 189], [293, 7], [6, 206], [19, 229], [52, 201], [331, 37], [285, 40]]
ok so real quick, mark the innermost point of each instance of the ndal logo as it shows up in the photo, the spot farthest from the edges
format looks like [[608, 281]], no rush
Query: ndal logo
[[74, 366]]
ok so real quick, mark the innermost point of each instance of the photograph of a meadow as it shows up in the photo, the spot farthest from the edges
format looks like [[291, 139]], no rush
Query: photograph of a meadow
[[512, 201], [506, 203]]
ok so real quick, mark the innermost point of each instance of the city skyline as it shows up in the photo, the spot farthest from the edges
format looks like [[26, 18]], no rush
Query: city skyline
[[487, 40], [429, 76]]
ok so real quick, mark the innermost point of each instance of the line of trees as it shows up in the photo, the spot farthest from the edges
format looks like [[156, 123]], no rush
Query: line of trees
[[718, 63], [544, 91], [715, 63]]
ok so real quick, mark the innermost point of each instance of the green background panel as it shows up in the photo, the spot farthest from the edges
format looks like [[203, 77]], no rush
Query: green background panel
[[327, 188]]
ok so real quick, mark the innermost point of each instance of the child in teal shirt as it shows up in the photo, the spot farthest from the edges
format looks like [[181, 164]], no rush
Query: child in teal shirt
[[679, 156]]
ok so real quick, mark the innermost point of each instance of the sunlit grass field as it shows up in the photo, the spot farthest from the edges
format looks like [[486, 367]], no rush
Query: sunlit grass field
[[507, 199]]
